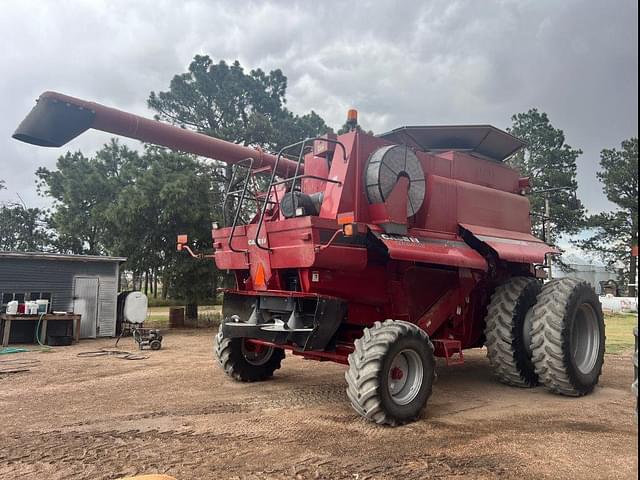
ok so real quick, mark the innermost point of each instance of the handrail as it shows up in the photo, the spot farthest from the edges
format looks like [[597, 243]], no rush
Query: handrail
[[240, 203], [303, 144], [314, 177], [231, 182]]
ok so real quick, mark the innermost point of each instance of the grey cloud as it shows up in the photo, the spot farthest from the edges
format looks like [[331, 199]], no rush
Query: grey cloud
[[397, 62]]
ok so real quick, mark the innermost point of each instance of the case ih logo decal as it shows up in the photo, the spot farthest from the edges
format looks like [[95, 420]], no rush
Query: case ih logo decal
[[420, 240], [399, 238]]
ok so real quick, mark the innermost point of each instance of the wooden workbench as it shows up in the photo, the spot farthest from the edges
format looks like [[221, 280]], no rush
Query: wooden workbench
[[49, 317]]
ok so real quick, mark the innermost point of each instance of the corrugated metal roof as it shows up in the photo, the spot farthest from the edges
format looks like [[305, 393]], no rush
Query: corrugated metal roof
[[61, 256]]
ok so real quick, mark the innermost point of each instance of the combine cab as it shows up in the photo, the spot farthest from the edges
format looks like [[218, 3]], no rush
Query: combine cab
[[380, 253]]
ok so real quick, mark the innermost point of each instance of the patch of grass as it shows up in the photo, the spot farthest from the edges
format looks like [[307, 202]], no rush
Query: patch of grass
[[159, 316], [619, 331], [176, 302]]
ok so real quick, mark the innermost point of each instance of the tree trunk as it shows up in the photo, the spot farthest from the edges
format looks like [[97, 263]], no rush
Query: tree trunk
[[146, 282], [165, 284], [155, 284]]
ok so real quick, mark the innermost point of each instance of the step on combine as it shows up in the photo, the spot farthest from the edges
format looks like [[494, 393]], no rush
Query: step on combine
[[377, 252]]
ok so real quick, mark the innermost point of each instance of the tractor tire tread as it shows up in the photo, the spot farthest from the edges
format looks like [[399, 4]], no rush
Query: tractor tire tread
[[549, 340], [500, 335], [363, 374], [239, 370]]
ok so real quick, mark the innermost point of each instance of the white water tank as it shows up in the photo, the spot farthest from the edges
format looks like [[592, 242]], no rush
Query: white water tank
[[135, 307]]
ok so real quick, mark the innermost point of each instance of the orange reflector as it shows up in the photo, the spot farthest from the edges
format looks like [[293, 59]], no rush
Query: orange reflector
[[345, 218], [183, 239], [261, 278]]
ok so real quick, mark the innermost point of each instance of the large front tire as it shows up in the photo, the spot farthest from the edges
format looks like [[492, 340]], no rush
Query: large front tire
[[508, 331], [568, 337], [244, 361], [391, 372]]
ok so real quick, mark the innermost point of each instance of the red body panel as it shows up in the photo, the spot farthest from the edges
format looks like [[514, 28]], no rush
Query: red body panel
[[430, 276], [518, 247], [424, 249]]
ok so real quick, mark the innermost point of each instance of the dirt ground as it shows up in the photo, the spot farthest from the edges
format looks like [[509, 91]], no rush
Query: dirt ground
[[102, 418]]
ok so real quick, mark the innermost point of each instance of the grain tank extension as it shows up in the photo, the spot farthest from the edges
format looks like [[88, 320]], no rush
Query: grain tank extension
[[380, 253]]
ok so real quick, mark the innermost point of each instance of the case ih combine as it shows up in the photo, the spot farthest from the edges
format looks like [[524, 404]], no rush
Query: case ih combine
[[380, 253]]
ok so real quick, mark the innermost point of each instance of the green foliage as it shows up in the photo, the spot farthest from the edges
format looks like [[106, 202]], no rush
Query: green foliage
[[126, 204], [223, 101], [170, 194], [614, 233], [23, 229], [346, 128], [619, 176], [550, 163], [83, 189]]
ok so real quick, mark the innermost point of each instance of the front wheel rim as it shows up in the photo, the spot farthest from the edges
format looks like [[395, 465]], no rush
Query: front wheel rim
[[405, 377], [256, 354], [585, 339]]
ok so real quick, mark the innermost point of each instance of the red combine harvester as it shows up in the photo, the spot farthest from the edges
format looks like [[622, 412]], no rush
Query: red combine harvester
[[378, 252]]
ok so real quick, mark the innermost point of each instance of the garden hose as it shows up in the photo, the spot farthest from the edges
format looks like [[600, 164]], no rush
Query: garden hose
[[43, 347], [9, 350], [113, 353]]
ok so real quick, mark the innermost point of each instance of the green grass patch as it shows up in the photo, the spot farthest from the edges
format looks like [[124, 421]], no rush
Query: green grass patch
[[619, 331], [176, 302], [159, 315]]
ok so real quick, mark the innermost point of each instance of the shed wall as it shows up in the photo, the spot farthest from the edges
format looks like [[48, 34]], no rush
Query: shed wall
[[26, 275]]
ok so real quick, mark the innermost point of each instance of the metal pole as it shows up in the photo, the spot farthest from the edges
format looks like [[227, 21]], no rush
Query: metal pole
[[547, 214]]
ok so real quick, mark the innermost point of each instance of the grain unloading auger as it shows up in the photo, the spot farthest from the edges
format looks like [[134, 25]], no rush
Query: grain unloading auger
[[381, 253]]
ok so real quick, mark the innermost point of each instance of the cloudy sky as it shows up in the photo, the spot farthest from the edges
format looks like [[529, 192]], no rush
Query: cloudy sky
[[399, 63]]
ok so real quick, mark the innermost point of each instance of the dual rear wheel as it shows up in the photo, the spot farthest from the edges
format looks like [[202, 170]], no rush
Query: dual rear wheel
[[551, 334]]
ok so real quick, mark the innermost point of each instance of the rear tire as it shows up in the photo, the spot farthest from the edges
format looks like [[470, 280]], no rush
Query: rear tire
[[246, 362], [391, 372], [508, 331], [568, 337]]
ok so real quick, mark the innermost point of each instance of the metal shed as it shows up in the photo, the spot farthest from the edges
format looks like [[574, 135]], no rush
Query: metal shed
[[84, 284]]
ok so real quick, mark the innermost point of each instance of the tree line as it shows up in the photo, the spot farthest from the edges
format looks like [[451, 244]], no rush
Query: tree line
[[126, 203]]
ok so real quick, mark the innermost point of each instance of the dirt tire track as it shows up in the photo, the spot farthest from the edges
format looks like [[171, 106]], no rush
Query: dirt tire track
[[176, 413]]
